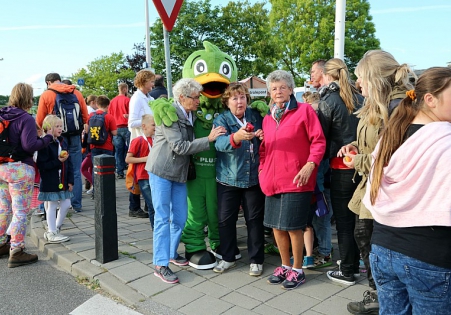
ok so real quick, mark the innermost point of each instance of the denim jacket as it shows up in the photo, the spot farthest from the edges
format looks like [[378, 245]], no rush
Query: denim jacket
[[237, 166]]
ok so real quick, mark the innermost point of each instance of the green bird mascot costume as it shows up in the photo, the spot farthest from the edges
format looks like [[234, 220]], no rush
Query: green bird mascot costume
[[213, 69]]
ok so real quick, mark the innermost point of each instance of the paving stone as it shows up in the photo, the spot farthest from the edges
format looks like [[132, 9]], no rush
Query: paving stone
[[150, 285], [255, 293], [177, 296], [206, 305], [236, 310], [233, 279], [264, 309], [115, 287], [132, 271], [291, 302], [334, 305], [212, 289], [241, 300]]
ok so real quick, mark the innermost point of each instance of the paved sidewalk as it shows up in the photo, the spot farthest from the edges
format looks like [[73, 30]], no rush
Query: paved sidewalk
[[200, 292]]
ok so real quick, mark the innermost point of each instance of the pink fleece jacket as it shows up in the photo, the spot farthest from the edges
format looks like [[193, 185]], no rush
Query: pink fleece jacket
[[287, 147], [415, 188]]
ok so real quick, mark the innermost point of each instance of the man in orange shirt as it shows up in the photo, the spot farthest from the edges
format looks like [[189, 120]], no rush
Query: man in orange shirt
[[45, 107]]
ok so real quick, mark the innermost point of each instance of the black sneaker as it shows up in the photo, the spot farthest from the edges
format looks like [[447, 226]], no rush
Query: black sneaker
[[218, 254], [138, 213], [293, 280], [120, 176], [179, 261], [369, 305], [166, 274], [279, 275], [267, 231], [338, 276]]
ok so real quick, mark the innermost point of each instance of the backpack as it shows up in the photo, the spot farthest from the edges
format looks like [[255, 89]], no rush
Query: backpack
[[68, 109], [8, 151], [97, 133]]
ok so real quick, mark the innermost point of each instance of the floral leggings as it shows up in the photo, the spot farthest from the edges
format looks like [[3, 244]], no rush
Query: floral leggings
[[16, 192]]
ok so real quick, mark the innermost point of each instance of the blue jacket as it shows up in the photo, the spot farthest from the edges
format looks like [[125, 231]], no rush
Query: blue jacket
[[237, 166]]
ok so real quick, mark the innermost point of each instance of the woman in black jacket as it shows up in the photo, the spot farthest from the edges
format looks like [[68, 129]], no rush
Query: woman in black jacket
[[339, 101]]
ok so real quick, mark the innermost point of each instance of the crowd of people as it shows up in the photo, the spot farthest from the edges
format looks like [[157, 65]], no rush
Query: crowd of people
[[369, 155]]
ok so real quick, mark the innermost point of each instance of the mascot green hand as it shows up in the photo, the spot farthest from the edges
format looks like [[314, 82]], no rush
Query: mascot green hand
[[261, 106], [163, 111], [214, 70]]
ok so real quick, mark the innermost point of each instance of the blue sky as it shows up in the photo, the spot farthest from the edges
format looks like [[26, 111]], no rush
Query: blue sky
[[38, 37]]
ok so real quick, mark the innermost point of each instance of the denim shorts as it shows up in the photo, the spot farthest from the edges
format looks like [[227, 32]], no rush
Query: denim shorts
[[288, 211]]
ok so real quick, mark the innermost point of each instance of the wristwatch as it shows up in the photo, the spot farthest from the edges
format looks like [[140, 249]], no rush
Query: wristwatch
[[314, 164]]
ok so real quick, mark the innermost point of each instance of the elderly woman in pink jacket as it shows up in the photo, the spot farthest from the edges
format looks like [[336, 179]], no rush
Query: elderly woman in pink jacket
[[290, 153]]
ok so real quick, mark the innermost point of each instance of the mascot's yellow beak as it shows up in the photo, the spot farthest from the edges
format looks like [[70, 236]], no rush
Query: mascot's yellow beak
[[214, 84]]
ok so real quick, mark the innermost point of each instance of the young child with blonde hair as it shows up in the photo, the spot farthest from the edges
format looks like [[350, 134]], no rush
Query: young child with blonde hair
[[57, 179]]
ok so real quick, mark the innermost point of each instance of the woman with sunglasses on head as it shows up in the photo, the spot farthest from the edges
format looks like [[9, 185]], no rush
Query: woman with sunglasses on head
[[237, 176]]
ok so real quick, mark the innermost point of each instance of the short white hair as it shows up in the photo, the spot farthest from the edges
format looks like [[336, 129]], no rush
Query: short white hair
[[186, 87], [280, 75]]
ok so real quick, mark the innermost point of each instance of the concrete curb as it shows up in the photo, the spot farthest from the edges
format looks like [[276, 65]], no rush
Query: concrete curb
[[78, 266]]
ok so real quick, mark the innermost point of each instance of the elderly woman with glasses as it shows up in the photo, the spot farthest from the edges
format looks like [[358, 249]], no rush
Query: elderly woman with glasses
[[290, 153], [237, 176], [167, 165]]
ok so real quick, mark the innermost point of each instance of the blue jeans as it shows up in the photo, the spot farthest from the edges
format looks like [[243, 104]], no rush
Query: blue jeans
[[144, 186], [409, 286], [323, 229], [74, 148], [121, 142], [171, 211]]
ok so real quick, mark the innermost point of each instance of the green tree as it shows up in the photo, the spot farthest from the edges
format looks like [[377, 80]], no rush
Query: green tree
[[245, 29], [239, 29], [196, 22], [103, 75], [303, 31]]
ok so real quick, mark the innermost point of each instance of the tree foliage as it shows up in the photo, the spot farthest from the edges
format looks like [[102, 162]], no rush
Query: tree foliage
[[239, 29], [290, 35], [103, 75], [303, 31]]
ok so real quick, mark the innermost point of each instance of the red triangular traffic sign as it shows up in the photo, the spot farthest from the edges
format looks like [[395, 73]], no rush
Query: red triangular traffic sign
[[168, 11]]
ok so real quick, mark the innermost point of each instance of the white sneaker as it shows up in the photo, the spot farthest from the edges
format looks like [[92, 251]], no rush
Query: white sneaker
[[55, 237], [223, 266], [256, 270], [89, 191]]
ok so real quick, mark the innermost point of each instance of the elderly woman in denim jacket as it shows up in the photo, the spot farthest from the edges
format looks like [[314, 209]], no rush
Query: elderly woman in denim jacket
[[237, 176], [168, 170]]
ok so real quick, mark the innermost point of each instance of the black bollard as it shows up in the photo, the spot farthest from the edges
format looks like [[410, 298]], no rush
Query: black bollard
[[105, 208]]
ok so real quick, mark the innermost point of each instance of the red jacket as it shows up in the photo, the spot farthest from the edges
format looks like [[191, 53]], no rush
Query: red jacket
[[288, 146]]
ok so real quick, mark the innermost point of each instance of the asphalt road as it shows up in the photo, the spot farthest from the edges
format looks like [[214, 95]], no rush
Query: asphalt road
[[39, 288]]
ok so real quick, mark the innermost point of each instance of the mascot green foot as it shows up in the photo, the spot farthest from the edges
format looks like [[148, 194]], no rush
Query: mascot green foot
[[201, 260]]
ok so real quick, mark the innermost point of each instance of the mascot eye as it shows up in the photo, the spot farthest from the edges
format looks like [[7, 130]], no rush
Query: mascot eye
[[200, 67], [225, 69], [199, 113]]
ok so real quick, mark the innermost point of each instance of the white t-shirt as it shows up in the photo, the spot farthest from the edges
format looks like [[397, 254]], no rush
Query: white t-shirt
[[139, 106]]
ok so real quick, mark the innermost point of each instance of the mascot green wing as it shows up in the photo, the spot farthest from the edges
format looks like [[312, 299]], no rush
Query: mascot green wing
[[163, 111], [261, 106]]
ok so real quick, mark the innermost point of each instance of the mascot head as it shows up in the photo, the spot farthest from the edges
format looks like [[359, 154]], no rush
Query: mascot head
[[212, 68]]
